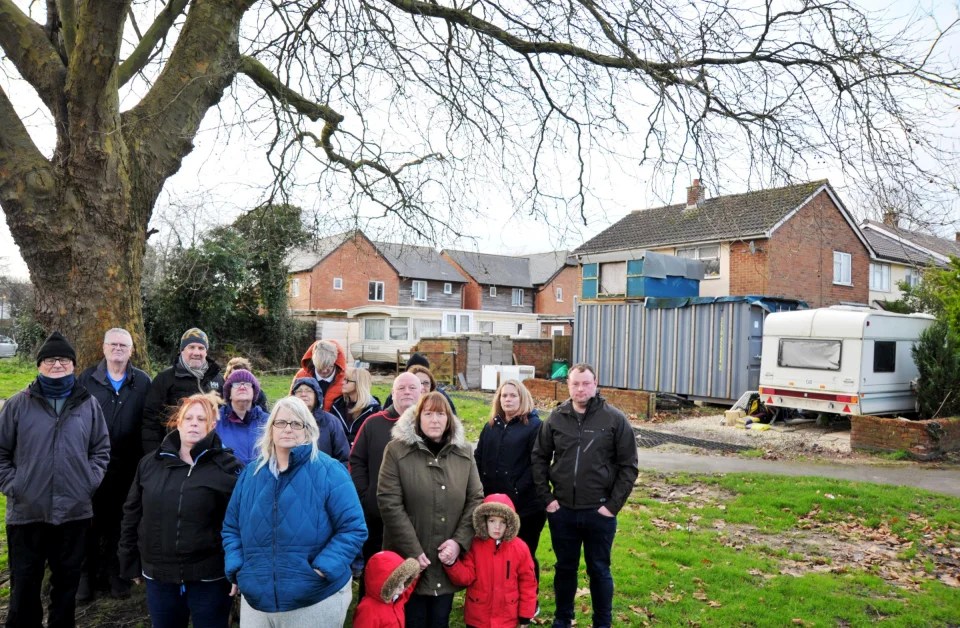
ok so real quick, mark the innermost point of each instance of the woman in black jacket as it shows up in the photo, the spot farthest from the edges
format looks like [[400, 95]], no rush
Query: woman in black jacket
[[503, 458], [172, 519]]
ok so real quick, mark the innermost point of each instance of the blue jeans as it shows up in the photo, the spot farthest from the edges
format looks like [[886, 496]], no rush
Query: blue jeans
[[206, 603], [569, 529]]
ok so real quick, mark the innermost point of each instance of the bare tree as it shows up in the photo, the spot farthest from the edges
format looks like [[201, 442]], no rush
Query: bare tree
[[520, 85]]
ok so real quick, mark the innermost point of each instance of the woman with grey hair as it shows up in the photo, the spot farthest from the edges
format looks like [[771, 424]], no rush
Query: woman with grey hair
[[293, 526], [326, 362]]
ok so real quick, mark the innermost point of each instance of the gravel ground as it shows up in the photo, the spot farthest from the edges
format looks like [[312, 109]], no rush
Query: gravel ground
[[796, 439]]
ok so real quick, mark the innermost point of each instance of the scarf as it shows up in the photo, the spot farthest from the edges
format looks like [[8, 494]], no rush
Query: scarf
[[198, 373], [56, 388]]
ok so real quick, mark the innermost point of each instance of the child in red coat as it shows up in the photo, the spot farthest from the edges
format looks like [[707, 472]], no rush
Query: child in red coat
[[389, 582], [498, 570]]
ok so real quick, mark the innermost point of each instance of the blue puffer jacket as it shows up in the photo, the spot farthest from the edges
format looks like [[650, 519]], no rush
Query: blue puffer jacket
[[332, 440], [278, 530], [242, 437]]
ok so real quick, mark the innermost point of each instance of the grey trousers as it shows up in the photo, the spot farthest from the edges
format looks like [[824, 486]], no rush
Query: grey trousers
[[328, 613]]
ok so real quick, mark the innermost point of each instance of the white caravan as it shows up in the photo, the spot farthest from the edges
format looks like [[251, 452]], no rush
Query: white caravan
[[840, 360]]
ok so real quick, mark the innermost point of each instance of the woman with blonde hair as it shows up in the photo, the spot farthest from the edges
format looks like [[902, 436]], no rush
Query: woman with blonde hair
[[172, 519], [292, 528], [503, 458], [356, 403]]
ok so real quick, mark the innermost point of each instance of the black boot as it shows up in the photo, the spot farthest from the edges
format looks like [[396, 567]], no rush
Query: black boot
[[85, 591], [119, 588]]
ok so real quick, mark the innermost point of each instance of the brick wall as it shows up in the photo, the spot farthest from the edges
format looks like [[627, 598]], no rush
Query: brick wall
[[537, 352], [546, 329], [634, 403], [302, 300], [357, 263], [568, 280], [800, 257], [472, 295], [923, 440]]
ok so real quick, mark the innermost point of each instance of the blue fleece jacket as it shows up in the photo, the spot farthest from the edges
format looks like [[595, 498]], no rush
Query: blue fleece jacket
[[242, 437]]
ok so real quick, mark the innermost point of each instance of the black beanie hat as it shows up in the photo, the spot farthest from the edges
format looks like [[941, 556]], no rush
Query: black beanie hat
[[418, 358], [56, 346]]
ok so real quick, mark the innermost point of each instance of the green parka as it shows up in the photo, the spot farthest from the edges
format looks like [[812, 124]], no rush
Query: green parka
[[425, 499]]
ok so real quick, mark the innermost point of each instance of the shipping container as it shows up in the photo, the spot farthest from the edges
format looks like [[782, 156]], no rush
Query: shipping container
[[702, 348]]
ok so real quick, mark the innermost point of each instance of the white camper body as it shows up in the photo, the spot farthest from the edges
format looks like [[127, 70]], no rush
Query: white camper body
[[840, 360]]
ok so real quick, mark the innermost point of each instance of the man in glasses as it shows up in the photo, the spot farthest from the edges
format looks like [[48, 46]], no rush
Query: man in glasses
[[54, 450], [121, 390]]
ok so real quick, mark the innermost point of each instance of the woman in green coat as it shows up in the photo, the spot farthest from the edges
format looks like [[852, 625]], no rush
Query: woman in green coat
[[427, 491]]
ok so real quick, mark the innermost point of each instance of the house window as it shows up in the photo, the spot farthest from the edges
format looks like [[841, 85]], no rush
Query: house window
[[556, 330], [710, 255], [294, 287], [841, 268], [375, 291], [493, 291], [517, 299], [589, 275], [338, 283], [912, 277], [419, 290], [885, 356], [399, 329], [486, 327], [448, 288], [559, 294], [374, 329], [880, 277], [426, 328], [613, 278], [456, 323]]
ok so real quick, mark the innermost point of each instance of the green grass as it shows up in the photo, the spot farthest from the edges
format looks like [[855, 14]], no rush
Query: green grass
[[15, 374]]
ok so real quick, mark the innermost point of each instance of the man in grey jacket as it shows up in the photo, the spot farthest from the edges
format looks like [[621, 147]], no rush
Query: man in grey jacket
[[54, 450], [584, 466]]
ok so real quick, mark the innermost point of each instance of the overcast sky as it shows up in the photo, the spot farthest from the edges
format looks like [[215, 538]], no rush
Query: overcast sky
[[226, 177]]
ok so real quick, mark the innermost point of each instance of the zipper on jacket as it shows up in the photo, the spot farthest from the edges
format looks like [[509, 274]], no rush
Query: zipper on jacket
[[276, 510], [179, 511], [576, 460], [508, 570]]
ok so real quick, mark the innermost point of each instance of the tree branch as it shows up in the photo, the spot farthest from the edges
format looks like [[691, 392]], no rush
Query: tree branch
[[268, 82], [157, 31], [26, 44], [67, 9]]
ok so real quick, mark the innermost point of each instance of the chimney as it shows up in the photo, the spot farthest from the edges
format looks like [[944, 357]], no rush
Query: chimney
[[694, 195], [891, 218]]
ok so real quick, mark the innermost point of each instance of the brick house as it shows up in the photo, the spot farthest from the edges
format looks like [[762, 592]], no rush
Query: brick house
[[555, 277], [349, 270], [901, 255], [795, 242]]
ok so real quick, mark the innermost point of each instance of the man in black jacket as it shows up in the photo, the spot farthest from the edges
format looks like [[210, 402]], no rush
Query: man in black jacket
[[192, 372], [122, 391], [584, 467]]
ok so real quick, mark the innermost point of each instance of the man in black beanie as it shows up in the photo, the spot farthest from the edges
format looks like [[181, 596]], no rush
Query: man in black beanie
[[54, 450], [192, 372]]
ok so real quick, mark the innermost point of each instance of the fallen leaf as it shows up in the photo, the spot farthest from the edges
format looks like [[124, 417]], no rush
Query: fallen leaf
[[950, 581]]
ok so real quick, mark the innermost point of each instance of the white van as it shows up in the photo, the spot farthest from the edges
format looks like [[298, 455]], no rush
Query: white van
[[840, 360]]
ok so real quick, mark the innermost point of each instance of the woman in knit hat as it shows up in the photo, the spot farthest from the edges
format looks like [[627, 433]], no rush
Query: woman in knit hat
[[241, 422]]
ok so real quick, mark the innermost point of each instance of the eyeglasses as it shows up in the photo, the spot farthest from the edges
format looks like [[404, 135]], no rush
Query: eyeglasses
[[61, 361], [116, 345], [349, 381], [239, 385], [296, 425]]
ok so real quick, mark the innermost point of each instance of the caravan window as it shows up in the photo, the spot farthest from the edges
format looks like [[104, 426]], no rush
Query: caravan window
[[885, 356], [822, 355]]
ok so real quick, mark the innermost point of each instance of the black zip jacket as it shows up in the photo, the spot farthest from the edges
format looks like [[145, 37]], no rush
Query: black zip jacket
[[503, 460], [168, 388], [586, 463], [174, 512], [123, 412]]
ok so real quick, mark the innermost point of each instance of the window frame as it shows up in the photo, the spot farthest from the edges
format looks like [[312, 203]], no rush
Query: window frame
[[413, 289], [383, 329], [513, 297], [377, 287], [558, 294], [839, 257], [696, 252], [447, 288], [295, 288], [338, 283], [884, 272], [493, 291]]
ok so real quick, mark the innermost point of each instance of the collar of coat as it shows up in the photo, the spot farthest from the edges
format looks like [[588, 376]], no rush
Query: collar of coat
[[405, 430]]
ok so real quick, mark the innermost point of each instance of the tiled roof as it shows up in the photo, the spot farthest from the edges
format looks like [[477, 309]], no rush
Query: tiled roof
[[305, 258], [418, 262], [941, 246], [498, 270], [729, 217], [543, 266], [897, 250]]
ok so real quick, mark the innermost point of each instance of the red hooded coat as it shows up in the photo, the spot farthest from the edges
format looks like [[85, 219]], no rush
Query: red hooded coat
[[500, 579], [383, 573], [335, 389]]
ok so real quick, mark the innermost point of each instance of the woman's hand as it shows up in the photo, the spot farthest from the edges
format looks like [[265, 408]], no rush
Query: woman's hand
[[234, 589], [424, 561], [449, 550]]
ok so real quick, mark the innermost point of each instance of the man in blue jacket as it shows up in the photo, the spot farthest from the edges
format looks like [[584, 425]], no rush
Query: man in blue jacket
[[54, 450]]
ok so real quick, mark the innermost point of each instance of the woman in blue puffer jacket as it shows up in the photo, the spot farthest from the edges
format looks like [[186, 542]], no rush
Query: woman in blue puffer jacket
[[293, 526]]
